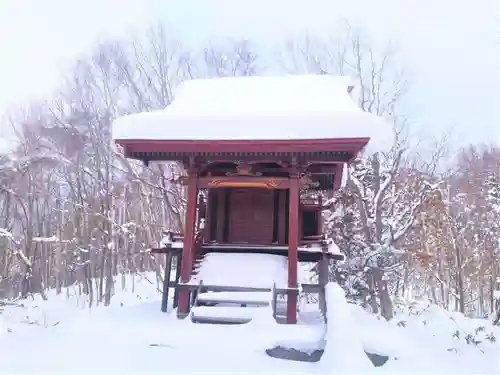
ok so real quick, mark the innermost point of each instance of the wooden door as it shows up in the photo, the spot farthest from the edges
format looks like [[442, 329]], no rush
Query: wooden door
[[251, 216]]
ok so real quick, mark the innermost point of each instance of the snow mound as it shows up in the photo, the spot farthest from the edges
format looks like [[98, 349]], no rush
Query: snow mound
[[344, 349], [425, 338]]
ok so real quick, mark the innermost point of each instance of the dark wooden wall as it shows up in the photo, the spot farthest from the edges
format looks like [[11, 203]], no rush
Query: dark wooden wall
[[253, 215]]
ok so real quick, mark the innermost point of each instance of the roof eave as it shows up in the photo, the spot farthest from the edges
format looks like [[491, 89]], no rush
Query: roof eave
[[352, 145]]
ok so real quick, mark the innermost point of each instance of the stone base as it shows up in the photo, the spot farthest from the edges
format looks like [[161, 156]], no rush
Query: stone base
[[297, 355], [294, 355]]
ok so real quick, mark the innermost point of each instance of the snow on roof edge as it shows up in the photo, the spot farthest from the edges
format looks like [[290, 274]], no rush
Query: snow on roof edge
[[295, 107]]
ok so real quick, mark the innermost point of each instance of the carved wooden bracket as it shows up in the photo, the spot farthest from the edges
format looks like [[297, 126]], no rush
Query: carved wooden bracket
[[306, 182], [244, 169], [257, 183]]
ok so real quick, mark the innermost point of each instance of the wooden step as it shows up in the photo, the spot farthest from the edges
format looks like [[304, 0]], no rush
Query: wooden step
[[221, 315], [219, 320], [227, 288], [242, 303]]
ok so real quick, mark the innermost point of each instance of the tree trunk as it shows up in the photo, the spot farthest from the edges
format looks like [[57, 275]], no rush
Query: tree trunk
[[460, 283], [496, 321], [386, 308], [460, 277], [497, 307], [372, 290]]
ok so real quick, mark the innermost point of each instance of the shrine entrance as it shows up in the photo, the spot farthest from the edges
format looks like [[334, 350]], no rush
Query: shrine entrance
[[251, 216]]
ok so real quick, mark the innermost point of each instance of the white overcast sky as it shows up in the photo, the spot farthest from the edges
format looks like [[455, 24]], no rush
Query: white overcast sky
[[451, 46]]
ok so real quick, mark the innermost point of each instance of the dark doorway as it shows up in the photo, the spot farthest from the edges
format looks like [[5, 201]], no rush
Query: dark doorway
[[309, 223]]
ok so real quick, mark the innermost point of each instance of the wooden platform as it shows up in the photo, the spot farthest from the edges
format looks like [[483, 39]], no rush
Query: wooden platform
[[226, 320], [305, 255]]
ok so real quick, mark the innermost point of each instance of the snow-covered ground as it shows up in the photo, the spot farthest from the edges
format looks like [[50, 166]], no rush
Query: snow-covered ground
[[62, 335]]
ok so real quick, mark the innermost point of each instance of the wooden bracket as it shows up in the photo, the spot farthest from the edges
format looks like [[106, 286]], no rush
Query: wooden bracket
[[255, 182]]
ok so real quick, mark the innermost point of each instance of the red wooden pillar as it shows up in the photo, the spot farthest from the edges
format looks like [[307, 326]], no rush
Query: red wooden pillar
[[337, 177], [208, 219], [221, 217], [282, 217], [293, 249], [187, 251]]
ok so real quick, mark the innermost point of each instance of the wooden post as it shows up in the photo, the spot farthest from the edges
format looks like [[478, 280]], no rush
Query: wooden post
[[187, 252], [323, 280], [178, 260], [337, 178], [221, 217], [202, 210], [275, 300], [208, 218], [293, 249], [166, 280]]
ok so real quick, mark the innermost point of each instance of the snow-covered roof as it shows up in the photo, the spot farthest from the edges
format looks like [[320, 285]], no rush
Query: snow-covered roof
[[293, 107]]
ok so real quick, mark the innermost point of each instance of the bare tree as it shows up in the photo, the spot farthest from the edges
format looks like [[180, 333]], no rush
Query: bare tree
[[101, 211], [229, 58], [371, 182]]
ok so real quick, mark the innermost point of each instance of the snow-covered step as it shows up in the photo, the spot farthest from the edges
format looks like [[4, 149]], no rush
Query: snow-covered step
[[235, 298], [221, 315]]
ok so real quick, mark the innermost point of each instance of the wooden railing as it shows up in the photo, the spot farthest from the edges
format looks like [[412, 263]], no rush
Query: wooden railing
[[194, 289], [313, 240]]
